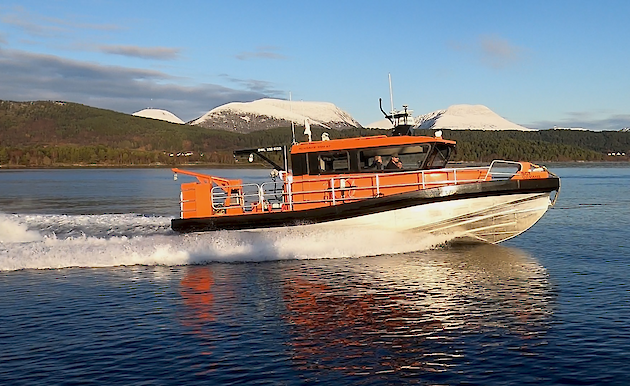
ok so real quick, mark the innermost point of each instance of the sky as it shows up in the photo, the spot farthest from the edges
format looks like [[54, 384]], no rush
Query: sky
[[536, 63]]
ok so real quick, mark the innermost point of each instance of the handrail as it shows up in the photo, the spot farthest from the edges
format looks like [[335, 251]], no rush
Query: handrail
[[258, 194], [280, 195]]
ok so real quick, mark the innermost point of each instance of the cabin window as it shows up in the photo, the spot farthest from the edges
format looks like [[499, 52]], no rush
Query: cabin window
[[334, 162], [299, 165], [408, 157]]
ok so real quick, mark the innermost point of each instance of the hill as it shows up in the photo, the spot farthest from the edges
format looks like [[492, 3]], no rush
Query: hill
[[537, 146]]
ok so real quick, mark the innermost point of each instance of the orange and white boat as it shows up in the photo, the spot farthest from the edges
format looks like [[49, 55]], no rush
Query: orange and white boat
[[397, 183]]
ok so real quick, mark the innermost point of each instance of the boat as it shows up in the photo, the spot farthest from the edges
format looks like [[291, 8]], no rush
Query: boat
[[401, 183]]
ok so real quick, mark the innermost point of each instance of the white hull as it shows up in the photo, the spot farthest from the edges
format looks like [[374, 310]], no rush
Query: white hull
[[489, 219]]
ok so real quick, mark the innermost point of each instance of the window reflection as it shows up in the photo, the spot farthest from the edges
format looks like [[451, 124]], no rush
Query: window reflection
[[393, 158]]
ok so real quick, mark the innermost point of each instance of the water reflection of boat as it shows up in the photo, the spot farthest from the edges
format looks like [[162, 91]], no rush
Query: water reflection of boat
[[398, 183], [387, 315], [198, 297], [405, 314]]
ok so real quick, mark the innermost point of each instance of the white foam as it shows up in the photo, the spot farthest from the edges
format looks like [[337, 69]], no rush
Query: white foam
[[11, 231], [155, 245]]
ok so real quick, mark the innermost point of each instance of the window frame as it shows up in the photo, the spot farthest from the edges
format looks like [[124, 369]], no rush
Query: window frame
[[332, 154]]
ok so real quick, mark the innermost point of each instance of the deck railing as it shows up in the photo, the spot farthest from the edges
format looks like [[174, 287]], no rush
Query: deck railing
[[271, 196]]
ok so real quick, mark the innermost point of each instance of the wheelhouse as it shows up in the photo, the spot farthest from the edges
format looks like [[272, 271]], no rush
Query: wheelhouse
[[377, 154]]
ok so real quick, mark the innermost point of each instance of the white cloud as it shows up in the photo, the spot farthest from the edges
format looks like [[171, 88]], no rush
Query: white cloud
[[28, 76], [497, 52], [588, 121], [42, 26], [254, 85], [492, 51], [266, 52], [161, 53]]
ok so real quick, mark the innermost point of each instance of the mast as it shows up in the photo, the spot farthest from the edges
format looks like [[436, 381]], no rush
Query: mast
[[391, 93], [292, 124]]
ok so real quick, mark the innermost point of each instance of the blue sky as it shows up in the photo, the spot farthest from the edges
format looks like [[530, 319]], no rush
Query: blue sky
[[536, 63]]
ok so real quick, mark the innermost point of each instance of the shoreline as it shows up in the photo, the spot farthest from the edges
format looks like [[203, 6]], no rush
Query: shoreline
[[263, 166], [139, 166]]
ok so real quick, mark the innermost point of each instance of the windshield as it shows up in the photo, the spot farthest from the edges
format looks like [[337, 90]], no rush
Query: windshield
[[439, 156], [394, 158]]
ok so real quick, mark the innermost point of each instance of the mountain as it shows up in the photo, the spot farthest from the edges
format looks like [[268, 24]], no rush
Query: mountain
[[268, 113], [458, 117], [161, 115], [466, 117]]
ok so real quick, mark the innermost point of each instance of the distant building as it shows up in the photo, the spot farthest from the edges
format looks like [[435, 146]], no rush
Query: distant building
[[570, 128]]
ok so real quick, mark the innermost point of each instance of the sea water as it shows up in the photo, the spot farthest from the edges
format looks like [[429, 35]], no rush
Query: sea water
[[97, 289]]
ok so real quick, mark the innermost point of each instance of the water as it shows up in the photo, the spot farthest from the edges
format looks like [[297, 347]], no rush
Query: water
[[97, 289]]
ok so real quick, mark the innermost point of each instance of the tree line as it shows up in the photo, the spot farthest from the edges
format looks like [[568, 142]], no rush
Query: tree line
[[68, 155], [49, 134]]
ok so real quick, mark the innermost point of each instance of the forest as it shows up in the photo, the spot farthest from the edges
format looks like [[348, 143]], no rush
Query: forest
[[60, 134]]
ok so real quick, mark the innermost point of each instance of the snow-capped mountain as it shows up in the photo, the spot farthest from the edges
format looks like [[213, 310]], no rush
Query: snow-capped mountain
[[466, 117], [268, 113], [458, 117], [162, 115]]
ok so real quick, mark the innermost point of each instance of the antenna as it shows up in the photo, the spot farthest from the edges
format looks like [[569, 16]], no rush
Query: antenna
[[401, 119], [292, 125], [391, 93]]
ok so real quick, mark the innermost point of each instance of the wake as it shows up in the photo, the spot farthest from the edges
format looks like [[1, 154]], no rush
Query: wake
[[60, 241]]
